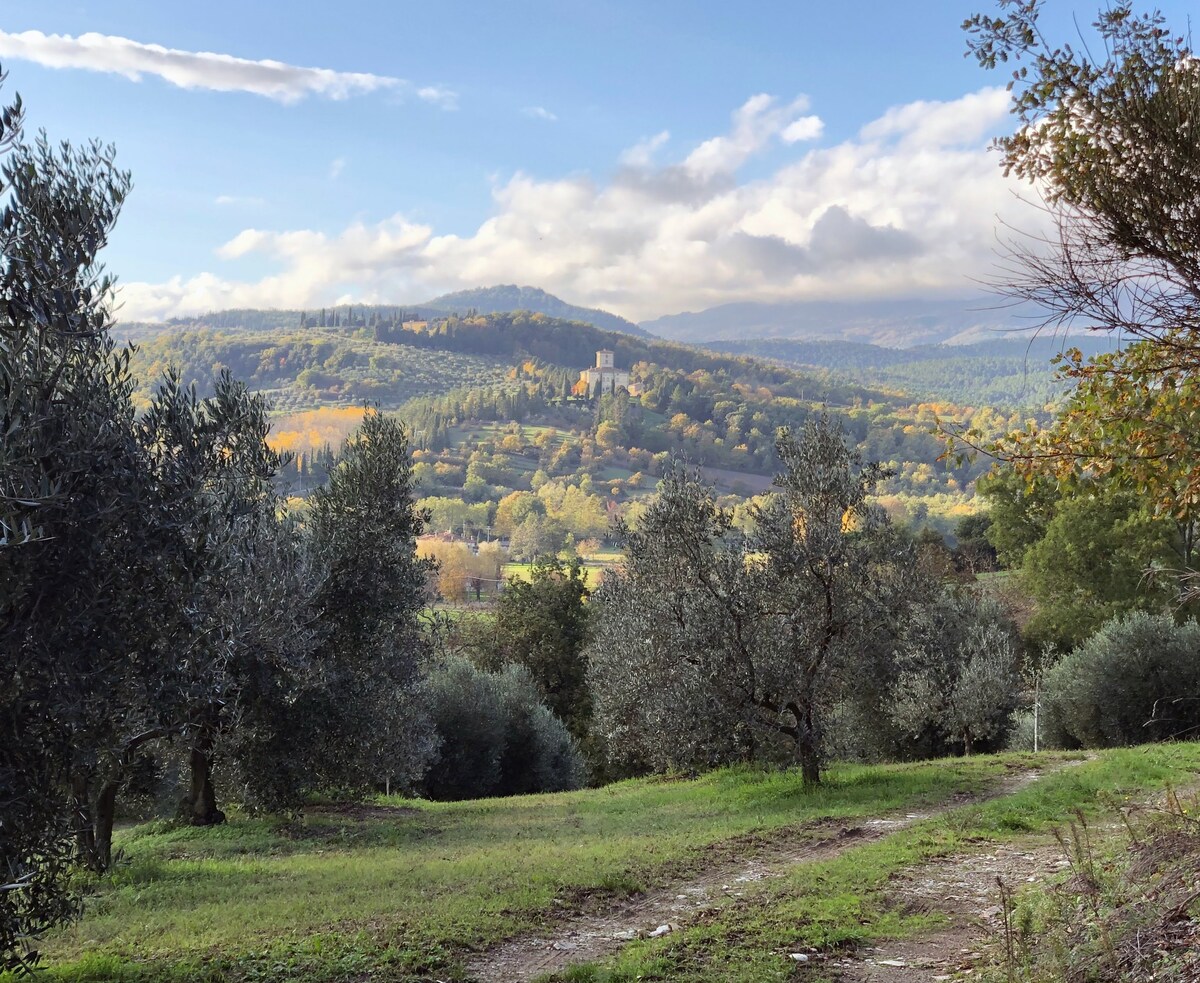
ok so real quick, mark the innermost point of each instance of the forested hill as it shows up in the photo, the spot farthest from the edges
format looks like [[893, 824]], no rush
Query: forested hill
[[572, 344], [304, 369], [394, 361], [510, 297], [388, 355], [480, 390], [1009, 371]]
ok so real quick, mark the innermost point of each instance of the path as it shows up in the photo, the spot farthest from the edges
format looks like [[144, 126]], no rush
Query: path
[[964, 889], [590, 936]]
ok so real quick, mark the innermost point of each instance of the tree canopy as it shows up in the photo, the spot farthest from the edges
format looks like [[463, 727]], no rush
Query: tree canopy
[[1107, 136], [708, 641]]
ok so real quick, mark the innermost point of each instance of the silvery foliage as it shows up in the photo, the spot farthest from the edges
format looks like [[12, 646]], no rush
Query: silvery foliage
[[364, 721], [495, 736], [1136, 680], [66, 463], [958, 677], [712, 645]]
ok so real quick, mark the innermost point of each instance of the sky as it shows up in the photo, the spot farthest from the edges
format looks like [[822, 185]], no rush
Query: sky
[[647, 158]]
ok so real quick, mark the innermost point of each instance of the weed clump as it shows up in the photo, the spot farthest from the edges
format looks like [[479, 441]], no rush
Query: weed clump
[[1128, 909]]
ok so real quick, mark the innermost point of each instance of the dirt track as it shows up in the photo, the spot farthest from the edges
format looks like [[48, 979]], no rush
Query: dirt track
[[587, 937], [964, 889]]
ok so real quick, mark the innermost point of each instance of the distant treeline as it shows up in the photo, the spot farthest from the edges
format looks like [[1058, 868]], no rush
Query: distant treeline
[[521, 334], [307, 368], [1009, 371]]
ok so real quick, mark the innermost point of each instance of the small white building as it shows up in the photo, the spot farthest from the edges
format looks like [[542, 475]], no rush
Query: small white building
[[604, 377]]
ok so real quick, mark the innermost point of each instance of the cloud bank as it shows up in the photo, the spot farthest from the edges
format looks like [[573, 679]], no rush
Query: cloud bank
[[204, 69], [907, 206]]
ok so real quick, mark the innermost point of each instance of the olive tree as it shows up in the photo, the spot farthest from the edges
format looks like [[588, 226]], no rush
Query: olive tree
[[958, 677], [773, 628], [495, 735], [68, 474], [1136, 680], [363, 720], [238, 632]]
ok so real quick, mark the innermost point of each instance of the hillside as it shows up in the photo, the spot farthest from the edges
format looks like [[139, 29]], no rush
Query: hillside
[[744, 867], [851, 345], [492, 401], [1000, 372], [307, 368], [369, 359], [894, 323], [510, 297]]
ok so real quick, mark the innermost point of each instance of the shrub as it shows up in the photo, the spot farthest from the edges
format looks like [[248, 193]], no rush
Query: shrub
[[1137, 679], [496, 737], [957, 682]]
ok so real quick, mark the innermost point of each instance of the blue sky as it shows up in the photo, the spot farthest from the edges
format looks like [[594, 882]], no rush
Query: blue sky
[[645, 157]]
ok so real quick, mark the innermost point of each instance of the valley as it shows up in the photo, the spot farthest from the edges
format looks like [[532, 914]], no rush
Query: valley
[[657, 494], [493, 398]]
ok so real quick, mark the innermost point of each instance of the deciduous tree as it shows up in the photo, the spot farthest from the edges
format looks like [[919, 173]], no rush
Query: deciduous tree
[[542, 624], [1107, 134]]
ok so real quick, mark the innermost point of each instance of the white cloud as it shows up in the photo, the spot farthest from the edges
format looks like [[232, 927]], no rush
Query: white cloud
[[336, 166], [540, 112], [966, 120], [907, 206], [439, 96], [758, 120], [641, 154], [244, 201], [204, 69], [805, 128]]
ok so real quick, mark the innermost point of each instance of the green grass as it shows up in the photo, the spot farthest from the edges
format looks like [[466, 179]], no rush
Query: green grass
[[524, 571], [404, 893], [605, 555], [462, 613], [843, 903], [593, 561]]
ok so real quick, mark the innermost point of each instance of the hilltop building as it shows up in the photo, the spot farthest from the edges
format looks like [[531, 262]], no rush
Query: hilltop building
[[603, 377]]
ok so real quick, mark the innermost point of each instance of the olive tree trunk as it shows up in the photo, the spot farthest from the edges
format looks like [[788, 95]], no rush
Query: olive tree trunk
[[199, 806]]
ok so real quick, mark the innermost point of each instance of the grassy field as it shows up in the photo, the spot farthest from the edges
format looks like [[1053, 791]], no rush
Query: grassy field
[[524, 571], [399, 890], [595, 562]]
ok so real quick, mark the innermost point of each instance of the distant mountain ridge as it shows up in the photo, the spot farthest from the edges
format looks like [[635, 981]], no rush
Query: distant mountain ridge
[[902, 323], [510, 297], [482, 300], [896, 324]]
